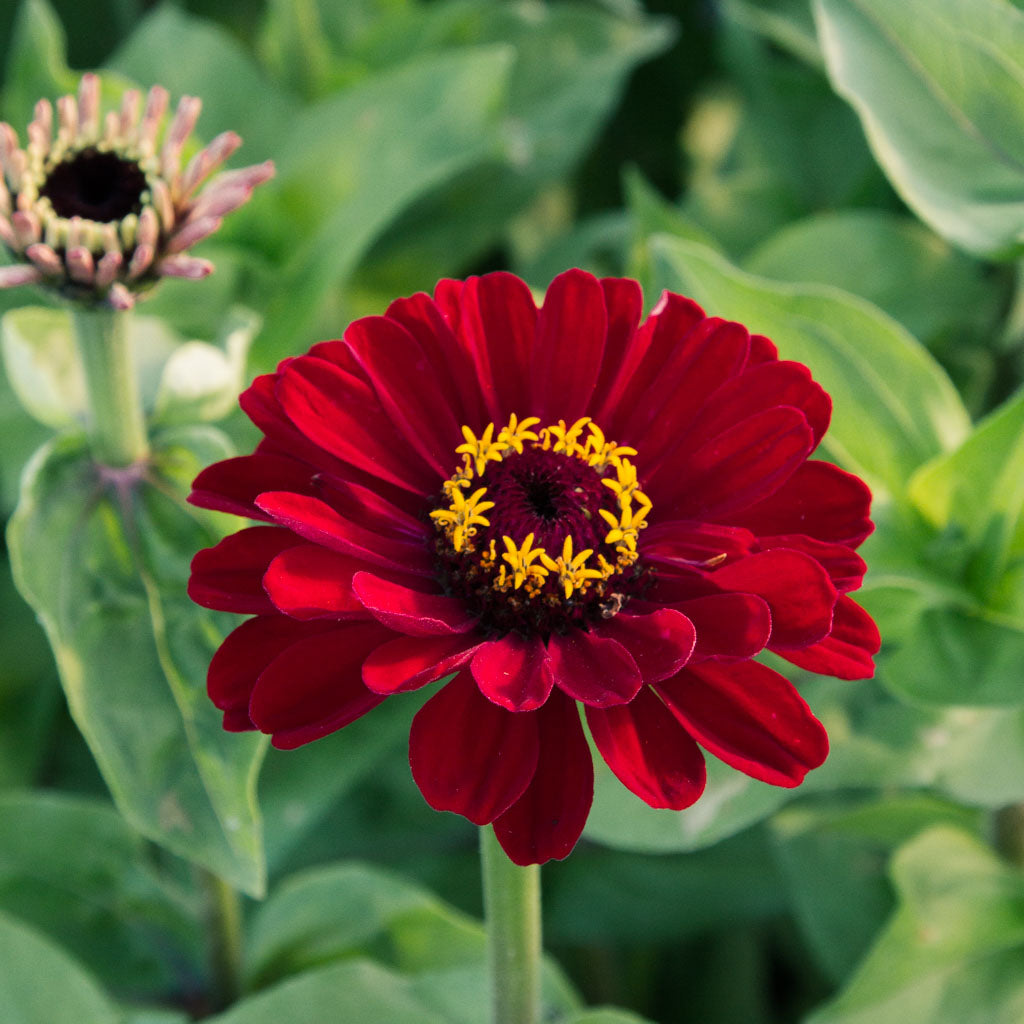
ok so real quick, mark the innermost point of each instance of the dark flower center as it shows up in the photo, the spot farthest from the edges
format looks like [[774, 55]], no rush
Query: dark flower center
[[538, 529], [98, 186]]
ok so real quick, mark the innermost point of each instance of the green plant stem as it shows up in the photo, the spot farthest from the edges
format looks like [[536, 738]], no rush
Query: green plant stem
[[224, 935], [117, 428], [512, 910]]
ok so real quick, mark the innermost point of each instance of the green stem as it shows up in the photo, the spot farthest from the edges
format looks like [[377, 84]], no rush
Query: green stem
[[512, 909], [117, 429], [224, 933]]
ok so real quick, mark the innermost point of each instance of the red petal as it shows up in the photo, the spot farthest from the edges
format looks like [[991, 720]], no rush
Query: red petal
[[798, 591], [409, 662], [819, 500], [229, 576], [244, 654], [311, 582], [470, 756], [844, 566], [234, 484], [669, 329], [315, 686], [650, 752], [691, 544], [848, 651], [734, 626], [567, 355], [497, 323], [407, 387], [624, 303], [660, 642], [316, 521], [593, 669], [546, 821], [513, 672], [741, 466], [693, 368], [342, 414], [749, 717], [453, 369], [410, 611], [760, 388]]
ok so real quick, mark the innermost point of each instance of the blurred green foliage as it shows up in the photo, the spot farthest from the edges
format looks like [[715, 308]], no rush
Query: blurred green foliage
[[822, 170]]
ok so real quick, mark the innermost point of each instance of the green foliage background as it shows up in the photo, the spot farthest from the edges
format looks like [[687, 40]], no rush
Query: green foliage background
[[846, 176]]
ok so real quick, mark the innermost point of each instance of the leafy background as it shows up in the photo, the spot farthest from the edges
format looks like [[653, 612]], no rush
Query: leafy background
[[846, 176]]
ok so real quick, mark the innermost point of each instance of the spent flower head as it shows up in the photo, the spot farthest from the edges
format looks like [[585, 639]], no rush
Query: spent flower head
[[98, 206]]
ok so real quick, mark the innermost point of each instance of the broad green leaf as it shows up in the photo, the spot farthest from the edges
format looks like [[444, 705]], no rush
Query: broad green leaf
[[951, 953], [957, 656], [608, 898], [815, 846], [979, 488], [939, 87], [180, 382], [787, 23], [353, 910], [893, 405], [890, 260], [96, 892], [190, 56], [357, 990], [41, 984], [293, 46], [36, 63], [603, 1015], [350, 163], [570, 67], [106, 573], [731, 802], [42, 366], [300, 790]]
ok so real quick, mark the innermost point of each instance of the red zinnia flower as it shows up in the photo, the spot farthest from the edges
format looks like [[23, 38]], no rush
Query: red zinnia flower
[[559, 505]]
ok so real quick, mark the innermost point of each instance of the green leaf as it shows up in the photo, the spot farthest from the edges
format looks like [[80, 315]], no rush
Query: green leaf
[[939, 87], [955, 656], [603, 1015], [190, 56], [555, 108], [350, 163], [36, 63], [106, 572], [979, 488], [300, 790], [951, 954], [353, 910], [42, 366], [358, 990], [104, 903], [893, 405], [786, 23], [180, 382], [815, 846], [888, 259], [731, 802], [40, 982]]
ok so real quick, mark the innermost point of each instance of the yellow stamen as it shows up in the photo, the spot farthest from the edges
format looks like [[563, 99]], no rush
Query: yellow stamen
[[522, 560]]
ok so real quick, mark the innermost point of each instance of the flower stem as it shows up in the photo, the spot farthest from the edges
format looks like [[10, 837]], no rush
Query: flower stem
[[224, 932], [117, 429], [512, 909]]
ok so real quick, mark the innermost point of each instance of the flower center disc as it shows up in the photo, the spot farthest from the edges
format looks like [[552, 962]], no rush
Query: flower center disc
[[97, 186], [538, 528]]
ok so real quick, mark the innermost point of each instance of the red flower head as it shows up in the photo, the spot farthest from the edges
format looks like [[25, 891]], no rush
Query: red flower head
[[561, 506]]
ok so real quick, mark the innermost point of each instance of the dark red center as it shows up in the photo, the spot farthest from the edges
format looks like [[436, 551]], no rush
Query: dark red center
[[98, 186]]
